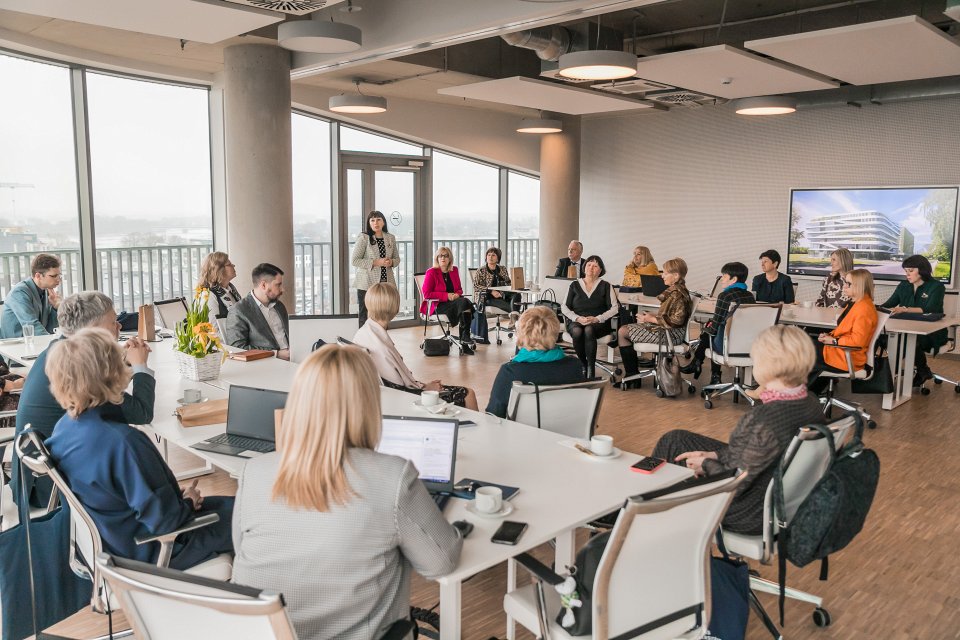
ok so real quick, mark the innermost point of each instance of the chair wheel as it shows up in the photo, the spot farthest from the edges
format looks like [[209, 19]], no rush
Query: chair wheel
[[871, 424], [924, 391], [618, 372], [660, 393], [691, 389], [821, 617], [499, 341], [708, 404], [957, 388], [937, 381]]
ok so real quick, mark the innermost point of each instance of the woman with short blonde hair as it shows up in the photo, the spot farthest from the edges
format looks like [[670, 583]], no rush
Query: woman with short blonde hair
[[441, 285], [327, 515], [217, 274], [537, 360], [782, 358], [855, 328], [113, 469], [642, 264], [383, 302]]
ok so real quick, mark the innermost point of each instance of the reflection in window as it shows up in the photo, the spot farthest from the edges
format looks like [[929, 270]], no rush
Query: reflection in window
[[465, 208], [356, 140], [38, 175], [523, 223], [150, 168], [313, 249]]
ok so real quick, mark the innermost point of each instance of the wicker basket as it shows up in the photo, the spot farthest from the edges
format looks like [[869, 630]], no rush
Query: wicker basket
[[205, 368]]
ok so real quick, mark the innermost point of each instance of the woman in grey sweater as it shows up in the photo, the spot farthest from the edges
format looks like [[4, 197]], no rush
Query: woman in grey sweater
[[375, 255]]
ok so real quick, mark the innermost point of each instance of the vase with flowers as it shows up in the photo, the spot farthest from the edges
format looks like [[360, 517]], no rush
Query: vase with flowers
[[198, 348]]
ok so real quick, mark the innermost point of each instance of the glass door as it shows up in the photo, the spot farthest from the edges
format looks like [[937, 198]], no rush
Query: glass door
[[390, 186]]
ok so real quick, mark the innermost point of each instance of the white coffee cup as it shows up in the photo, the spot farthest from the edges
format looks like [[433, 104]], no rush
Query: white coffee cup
[[191, 395], [430, 398], [601, 445], [488, 499]]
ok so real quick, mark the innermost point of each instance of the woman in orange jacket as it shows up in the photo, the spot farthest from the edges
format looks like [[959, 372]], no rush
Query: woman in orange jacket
[[855, 328]]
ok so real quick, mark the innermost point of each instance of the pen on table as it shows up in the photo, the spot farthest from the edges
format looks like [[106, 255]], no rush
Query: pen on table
[[580, 447]]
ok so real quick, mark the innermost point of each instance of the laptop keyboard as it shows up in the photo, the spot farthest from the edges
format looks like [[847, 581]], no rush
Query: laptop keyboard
[[241, 442]]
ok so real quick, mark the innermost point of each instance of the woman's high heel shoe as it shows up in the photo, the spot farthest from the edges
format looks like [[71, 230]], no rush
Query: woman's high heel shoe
[[695, 367]]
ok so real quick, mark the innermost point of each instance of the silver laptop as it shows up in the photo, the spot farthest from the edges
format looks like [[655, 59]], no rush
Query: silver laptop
[[431, 444], [250, 423]]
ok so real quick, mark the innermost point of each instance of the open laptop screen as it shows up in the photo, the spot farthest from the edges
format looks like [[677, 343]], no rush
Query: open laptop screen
[[430, 443], [250, 411]]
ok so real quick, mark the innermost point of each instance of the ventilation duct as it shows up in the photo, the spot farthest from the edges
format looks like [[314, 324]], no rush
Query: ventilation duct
[[549, 43]]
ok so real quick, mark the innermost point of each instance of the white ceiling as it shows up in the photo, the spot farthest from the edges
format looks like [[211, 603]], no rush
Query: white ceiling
[[195, 20], [546, 96], [728, 72], [907, 48]]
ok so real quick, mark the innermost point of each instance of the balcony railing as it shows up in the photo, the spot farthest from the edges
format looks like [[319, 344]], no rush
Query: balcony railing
[[132, 276]]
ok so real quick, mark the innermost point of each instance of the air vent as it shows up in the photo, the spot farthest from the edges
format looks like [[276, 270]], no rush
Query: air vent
[[683, 99], [631, 87], [293, 7]]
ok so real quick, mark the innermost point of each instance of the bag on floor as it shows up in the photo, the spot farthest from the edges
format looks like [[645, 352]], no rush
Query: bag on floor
[[668, 367], [880, 382], [436, 347], [729, 599]]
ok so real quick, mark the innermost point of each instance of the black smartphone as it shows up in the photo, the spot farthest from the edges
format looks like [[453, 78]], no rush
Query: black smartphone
[[509, 532], [648, 465]]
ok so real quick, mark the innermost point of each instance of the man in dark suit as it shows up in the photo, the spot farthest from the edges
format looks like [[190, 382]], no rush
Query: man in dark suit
[[39, 409], [574, 259], [260, 320]]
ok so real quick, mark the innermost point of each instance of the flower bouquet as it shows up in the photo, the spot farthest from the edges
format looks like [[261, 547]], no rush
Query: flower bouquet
[[198, 348]]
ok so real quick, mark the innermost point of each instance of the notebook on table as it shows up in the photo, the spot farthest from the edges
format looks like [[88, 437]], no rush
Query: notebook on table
[[652, 285], [251, 419], [430, 444]]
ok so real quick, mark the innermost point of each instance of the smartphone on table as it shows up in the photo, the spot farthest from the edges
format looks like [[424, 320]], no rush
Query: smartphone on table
[[509, 532], [648, 465]]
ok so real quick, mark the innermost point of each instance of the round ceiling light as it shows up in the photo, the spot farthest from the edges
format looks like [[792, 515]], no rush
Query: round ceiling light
[[357, 103], [315, 36], [765, 106], [598, 65], [540, 125]]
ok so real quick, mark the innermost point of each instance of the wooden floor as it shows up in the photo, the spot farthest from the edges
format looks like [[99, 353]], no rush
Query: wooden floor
[[899, 579]]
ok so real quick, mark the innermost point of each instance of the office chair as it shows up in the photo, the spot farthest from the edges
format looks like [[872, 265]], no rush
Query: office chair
[[171, 312], [493, 312], [744, 323], [86, 543], [570, 409], [805, 461], [667, 534], [442, 320], [829, 400], [659, 351], [933, 353]]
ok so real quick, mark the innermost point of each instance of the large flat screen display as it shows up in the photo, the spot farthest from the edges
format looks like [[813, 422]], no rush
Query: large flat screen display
[[880, 226]]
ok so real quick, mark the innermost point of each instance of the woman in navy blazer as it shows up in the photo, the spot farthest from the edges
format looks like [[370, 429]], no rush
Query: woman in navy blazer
[[442, 283], [114, 470]]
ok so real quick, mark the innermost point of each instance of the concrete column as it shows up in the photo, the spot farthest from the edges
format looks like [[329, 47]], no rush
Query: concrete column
[[559, 194], [259, 171]]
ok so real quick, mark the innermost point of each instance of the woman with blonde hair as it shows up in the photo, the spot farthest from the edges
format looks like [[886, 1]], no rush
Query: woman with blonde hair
[[442, 283], [216, 274], [114, 470], [383, 304], [641, 265], [832, 292], [783, 356], [539, 359], [327, 520]]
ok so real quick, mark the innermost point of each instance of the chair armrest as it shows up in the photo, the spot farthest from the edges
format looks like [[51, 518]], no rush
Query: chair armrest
[[848, 351], [538, 569], [847, 348], [166, 539]]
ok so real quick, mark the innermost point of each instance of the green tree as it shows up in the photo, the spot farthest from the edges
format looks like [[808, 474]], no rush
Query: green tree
[[796, 234], [939, 210]]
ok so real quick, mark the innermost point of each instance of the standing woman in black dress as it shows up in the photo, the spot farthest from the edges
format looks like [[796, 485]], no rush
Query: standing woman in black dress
[[375, 254], [591, 305]]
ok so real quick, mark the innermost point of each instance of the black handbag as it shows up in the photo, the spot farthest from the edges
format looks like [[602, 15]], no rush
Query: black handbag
[[729, 596], [880, 382], [436, 347], [548, 299]]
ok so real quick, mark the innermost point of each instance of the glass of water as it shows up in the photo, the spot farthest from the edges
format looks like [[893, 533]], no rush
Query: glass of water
[[28, 336]]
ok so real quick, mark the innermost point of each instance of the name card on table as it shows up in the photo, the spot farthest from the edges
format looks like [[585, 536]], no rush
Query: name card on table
[[516, 277], [146, 327]]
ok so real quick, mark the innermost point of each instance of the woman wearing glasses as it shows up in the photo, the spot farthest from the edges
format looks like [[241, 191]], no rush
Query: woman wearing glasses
[[442, 283], [217, 274], [855, 328]]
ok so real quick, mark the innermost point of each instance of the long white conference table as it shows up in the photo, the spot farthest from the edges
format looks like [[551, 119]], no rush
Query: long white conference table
[[901, 345], [560, 488]]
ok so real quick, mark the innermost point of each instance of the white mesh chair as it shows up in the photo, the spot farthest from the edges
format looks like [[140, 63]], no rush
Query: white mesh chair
[[442, 320], [171, 312], [828, 400], [86, 543], [744, 323], [570, 409], [659, 351], [495, 313], [805, 461], [667, 534]]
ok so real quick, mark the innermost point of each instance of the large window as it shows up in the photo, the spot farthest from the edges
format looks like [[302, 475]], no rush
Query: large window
[[38, 174], [465, 208], [523, 223], [312, 235], [356, 140], [150, 167]]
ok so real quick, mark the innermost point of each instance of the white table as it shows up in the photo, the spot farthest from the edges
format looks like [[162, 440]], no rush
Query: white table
[[15, 349]]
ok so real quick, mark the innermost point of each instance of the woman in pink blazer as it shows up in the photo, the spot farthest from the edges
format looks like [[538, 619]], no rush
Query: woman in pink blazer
[[442, 283]]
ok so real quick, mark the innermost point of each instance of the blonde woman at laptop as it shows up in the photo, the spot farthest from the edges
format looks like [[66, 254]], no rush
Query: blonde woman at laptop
[[329, 522]]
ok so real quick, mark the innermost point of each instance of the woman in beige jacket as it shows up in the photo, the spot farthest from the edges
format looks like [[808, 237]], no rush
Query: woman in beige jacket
[[374, 257]]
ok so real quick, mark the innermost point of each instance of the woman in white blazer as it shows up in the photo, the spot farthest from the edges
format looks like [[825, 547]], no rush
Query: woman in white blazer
[[374, 257], [384, 301]]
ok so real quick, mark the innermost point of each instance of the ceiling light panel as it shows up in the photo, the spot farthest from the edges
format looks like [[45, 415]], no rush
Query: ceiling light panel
[[545, 96]]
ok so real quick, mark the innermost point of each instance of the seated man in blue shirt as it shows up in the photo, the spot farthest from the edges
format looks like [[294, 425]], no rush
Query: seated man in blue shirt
[[33, 301], [40, 409], [733, 277], [771, 285]]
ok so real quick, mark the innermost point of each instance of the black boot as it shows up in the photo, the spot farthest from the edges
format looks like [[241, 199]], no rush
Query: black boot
[[695, 367], [466, 344], [591, 372], [631, 365]]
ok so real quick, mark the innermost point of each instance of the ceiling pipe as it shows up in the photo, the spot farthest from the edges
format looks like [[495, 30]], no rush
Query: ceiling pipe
[[881, 94], [549, 43]]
